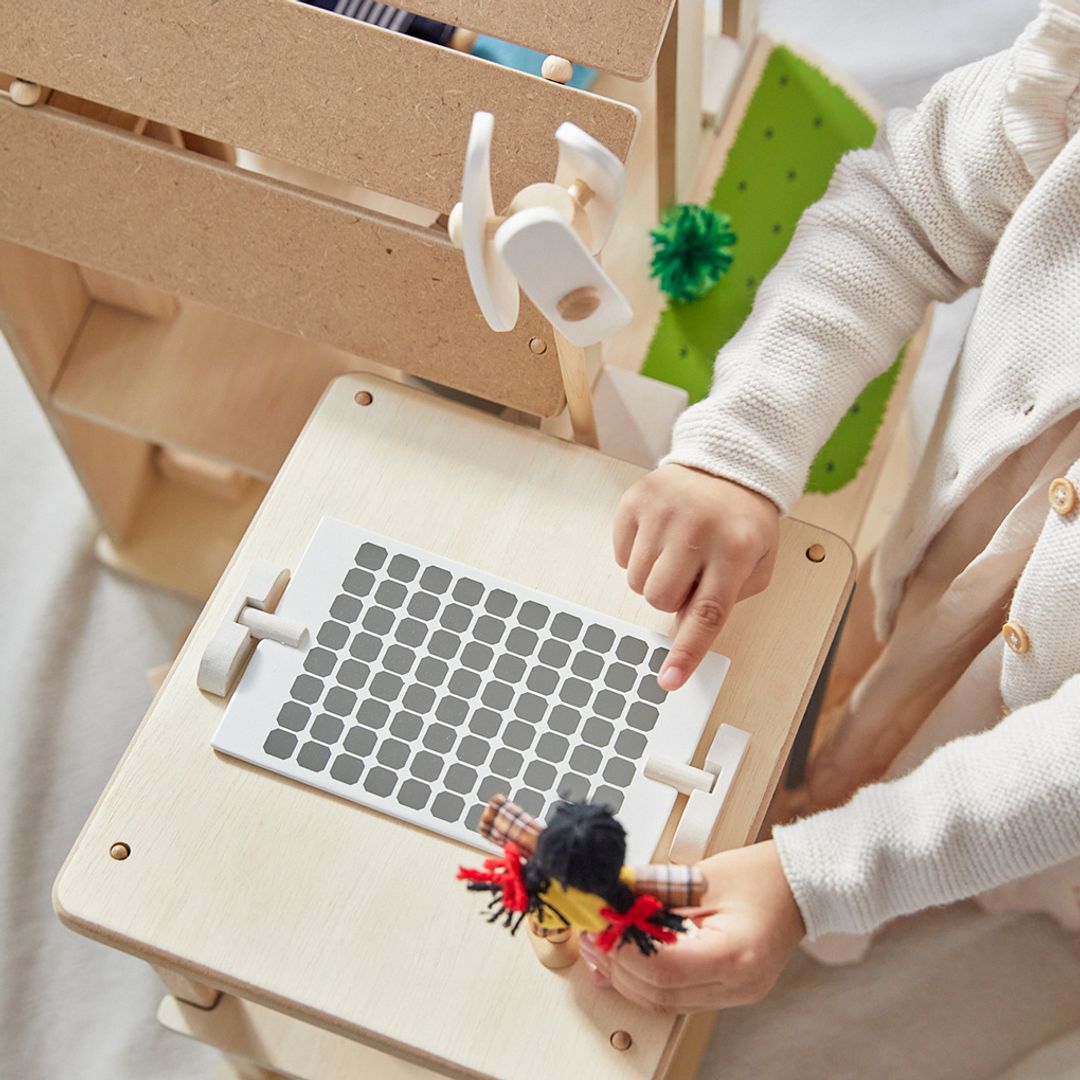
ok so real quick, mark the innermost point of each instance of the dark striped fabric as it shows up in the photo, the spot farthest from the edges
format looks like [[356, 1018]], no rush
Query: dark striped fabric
[[389, 18]]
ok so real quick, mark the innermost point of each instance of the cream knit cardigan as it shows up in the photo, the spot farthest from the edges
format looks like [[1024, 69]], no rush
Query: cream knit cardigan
[[980, 185]]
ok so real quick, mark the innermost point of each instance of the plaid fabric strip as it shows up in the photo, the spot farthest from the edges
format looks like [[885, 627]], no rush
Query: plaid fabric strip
[[503, 822], [676, 886]]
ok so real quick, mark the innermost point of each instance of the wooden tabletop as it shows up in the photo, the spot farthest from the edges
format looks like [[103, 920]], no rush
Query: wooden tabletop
[[353, 920]]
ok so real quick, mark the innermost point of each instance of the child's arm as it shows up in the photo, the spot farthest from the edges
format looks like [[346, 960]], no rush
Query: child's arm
[[911, 220], [979, 812]]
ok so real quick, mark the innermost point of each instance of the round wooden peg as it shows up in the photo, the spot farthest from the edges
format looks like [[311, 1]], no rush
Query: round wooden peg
[[24, 93], [578, 304], [816, 553], [556, 69], [120, 851], [621, 1040]]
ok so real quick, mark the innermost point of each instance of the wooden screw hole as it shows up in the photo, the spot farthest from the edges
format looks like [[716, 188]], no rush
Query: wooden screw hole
[[119, 851], [363, 397], [815, 553], [538, 345], [621, 1040]]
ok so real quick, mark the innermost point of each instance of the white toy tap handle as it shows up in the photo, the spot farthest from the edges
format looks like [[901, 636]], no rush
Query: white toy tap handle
[[598, 176]]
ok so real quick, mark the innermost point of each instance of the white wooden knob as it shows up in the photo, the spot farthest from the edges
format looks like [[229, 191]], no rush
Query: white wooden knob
[[682, 777], [556, 69], [24, 93], [453, 225]]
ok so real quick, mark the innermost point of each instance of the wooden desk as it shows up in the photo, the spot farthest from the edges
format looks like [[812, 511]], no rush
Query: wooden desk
[[353, 921]]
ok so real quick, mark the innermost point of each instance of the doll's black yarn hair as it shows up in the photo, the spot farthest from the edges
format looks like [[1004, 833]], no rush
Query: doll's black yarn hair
[[583, 847]]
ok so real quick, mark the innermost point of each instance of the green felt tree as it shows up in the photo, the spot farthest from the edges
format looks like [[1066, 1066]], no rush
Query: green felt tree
[[691, 251]]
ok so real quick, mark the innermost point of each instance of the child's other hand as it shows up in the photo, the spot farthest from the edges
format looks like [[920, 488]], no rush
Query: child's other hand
[[696, 544], [738, 952]]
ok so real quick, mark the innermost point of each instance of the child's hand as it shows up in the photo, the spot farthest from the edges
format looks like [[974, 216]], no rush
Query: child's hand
[[695, 544], [737, 953]]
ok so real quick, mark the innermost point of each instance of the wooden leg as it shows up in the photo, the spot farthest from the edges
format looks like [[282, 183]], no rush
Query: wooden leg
[[740, 20], [577, 366], [555, 949], [667, 96], [189, 990], [234, 1068]]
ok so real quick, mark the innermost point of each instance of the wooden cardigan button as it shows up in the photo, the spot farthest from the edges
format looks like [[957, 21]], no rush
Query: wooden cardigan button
[[1016, 637], [1062, 496]]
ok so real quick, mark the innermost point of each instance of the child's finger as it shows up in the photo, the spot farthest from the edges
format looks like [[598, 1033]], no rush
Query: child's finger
[[671, 579], [702, 619], [623, 532], [647, 546]]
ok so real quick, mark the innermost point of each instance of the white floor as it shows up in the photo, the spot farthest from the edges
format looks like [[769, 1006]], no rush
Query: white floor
[[951, 994]]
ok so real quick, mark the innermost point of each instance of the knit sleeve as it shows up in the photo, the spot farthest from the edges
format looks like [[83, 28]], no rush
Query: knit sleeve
[[982, 810], [912, 219]]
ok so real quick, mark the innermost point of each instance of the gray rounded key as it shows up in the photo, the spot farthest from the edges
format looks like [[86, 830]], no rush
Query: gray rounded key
[[371, 556], [380, 781], [509, 668], [599, 638], [630, 744], [565, 626], [360, 741], [439, 738], [426, 765], [465, 684], [391, 594], [346, 609], [372, 714], [444, 644], [386, 686], [419, 699], [280, 744], [521, 641], [552, 747], [423, 605], [406, 725], [320, 661], [657, 658], [333, 635], [642, 716], [352, 673], [452, 710], [543, 680], [339, 701], [500, 602], [585, 760], [411, 632], [476, 656], [393, 753], [473, 751], [456, 617], [473, 817], [610, 797], [519, 735], [533, 615], [447, 807], [619, 772], [358, 582], [620, 677], [313, 756], [293, 716], [435, 579], [491, 786], [347, 769], [327, 729], [649, 689], [365, 647], [485, 722], [573, 788], [609, 704], [467, 591], [587, 664], [563, 718], [532, 802], [632, 650], [597, 731], [430, 671], [530, 707], [403, 567], [398, 659], [506, 762], [497, 695], [306, 689], [554, 653], [460, 778], [488, 629], [378, 620], [539, 775], [413, 794], [575, 692]]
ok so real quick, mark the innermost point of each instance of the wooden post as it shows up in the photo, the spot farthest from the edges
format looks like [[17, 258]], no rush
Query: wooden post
[[575, 364]]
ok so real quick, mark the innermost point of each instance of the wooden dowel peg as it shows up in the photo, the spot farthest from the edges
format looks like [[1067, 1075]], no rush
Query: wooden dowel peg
[[24, 93], [264, 624], [555, 949], [556, 69], [683, 778]]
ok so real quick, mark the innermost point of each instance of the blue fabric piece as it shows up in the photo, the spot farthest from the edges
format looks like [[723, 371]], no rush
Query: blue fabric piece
[[528, 60]]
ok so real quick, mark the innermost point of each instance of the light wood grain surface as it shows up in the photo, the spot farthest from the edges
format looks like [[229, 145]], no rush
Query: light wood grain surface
[[352, 920], [352, 101]]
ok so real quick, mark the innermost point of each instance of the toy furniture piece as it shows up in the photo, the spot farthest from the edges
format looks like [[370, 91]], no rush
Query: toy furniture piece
[[311, 912]]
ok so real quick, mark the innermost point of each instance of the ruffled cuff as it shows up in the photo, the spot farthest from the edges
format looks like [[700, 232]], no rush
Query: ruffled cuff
[[1045, 74]]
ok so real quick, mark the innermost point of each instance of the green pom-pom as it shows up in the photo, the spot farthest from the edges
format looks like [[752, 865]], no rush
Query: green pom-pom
[[691, 250]]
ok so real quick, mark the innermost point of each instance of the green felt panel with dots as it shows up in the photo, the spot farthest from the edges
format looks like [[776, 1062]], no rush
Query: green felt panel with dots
[[797, 127]]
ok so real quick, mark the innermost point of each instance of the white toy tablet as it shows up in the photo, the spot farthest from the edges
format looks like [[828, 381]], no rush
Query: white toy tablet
[[425, 686]]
